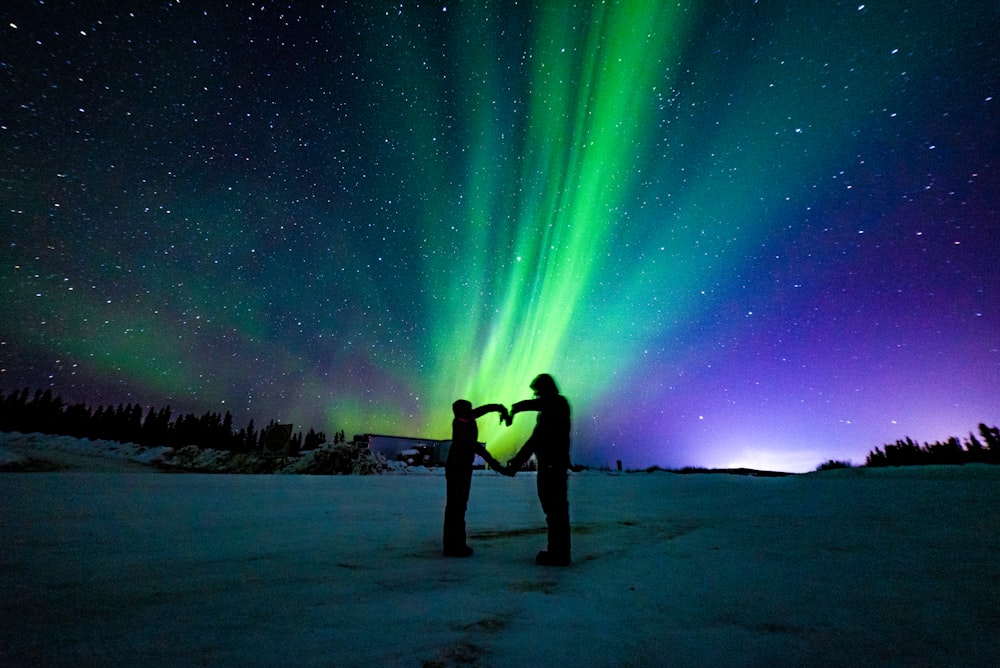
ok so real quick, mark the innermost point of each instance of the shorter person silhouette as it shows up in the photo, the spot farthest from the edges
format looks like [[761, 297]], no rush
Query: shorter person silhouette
[[465, 446]]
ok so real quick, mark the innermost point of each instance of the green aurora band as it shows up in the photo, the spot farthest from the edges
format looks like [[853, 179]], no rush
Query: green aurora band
[[593, 82]]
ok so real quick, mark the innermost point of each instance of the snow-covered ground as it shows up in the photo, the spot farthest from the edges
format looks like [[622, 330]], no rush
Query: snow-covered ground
[[872, 567], [41, 452]]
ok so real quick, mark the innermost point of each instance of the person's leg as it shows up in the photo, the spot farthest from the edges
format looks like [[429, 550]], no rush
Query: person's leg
[[458, 486], [553, 494]]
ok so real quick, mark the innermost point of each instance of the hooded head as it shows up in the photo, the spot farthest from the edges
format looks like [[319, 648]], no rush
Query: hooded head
[[544, 385], [462, 408]]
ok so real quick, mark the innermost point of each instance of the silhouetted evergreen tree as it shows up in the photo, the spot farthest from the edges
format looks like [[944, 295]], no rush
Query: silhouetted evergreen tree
[[226, 432], [156, 427], [44, 412], [946, 452], [991, 435], [249, 439], [951, 451], [130, 424], [974, 450], [313, 440], [876, 458], [76, 419]]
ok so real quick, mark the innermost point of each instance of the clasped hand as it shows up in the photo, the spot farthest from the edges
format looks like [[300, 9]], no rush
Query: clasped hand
[[506, 417]]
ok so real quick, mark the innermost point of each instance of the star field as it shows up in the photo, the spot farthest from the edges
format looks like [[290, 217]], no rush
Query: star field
[[737, 233]]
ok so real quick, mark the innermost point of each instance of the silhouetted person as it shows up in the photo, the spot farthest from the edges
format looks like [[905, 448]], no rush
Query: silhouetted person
[[549, 442], [465, 446]]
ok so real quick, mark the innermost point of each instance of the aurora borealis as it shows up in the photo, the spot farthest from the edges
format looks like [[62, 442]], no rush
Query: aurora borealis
[[737, 233]]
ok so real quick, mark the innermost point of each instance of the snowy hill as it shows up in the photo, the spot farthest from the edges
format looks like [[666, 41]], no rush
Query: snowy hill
[[41, 452]]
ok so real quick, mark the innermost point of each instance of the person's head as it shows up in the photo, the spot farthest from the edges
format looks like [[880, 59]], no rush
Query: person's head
[[462, 408], [544, 385]]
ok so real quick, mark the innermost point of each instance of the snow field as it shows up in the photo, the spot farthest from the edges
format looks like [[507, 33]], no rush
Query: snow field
[[843, 568]]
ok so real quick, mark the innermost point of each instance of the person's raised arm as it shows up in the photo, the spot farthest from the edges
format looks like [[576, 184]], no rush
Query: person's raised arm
[[523, 407], [489, 408]]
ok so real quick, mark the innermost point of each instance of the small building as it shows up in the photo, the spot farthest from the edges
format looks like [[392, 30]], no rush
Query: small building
[[415, 451], [432, 452]]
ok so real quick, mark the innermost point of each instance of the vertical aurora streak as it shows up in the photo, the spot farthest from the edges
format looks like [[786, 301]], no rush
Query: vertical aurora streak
[[593, 82]]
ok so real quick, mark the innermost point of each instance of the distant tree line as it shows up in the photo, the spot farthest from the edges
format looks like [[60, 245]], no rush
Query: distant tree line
[[41, 412], [972, 450]]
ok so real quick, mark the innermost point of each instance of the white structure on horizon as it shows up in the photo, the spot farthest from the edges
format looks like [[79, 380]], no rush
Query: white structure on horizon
[[418, 451]]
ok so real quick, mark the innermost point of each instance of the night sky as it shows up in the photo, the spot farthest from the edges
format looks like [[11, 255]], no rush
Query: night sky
[[737, 233]]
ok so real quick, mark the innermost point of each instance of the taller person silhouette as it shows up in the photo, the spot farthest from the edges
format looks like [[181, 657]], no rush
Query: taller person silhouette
[[549, 442]]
